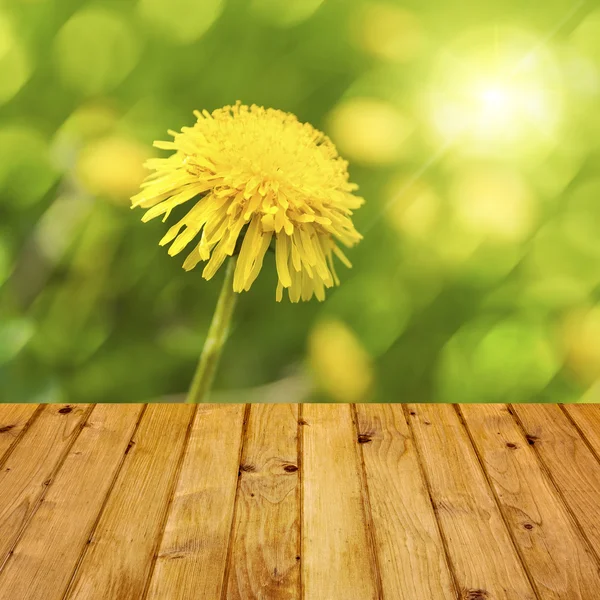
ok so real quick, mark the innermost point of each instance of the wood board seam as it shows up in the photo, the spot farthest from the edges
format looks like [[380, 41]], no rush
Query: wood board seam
[[427, 486], [230, 540], [509, 530], [366, 504], [579, 528], [102, 507], [169, 503], [47, 485], [300, 493], [13, 445], [580, 432]]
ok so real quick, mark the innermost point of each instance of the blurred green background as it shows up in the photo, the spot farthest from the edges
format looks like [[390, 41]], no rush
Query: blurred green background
[[471, 127]]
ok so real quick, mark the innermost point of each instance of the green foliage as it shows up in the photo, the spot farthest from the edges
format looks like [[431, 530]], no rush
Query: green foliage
[[478, 250]]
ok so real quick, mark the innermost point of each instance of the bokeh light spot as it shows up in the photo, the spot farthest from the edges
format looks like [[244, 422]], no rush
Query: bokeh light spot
[[493, 201], [181, 21], [497, 362], [14, 336], [95, 50], [414, 207], [113, 167], [586, 37], [497, 92], [376, 308], [284, 13], [581, 339], [388, 32], [582, 216], [26, 172], [14, 63], [5, 260], [341, 366], [370, 131]]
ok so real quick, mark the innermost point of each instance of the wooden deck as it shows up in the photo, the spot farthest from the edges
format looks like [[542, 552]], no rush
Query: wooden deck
[[311, 502]]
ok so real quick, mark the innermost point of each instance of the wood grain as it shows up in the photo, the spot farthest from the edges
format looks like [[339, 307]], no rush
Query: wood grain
[[558, 560], [191, 560], [587, 419], [265, 562], [119, 556], [484, 560], [29, 469], [410, 549], [46, 555], [338, 560], [300, 502], [568, 460], [13, 419]]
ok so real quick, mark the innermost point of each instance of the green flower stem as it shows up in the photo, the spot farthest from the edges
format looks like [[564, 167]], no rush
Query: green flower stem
[[215, 340]]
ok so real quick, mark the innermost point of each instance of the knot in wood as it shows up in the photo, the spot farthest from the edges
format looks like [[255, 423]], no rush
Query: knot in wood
[[475, 595]]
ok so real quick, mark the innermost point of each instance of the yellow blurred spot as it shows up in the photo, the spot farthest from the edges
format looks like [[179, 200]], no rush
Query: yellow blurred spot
[[581, 340], [112, 167], [284, 13], [181, 21], [14, 64], [494, 202], [88, 122], [95, 50], [91, 120], [414, 207], [497, 92], [340, 364], [369, 131], [388, 32]]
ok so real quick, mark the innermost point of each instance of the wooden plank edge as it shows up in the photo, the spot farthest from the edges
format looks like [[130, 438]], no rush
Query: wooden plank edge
[[553, 485], [230, 540], [94, 526], [9, 450], [47, 484]]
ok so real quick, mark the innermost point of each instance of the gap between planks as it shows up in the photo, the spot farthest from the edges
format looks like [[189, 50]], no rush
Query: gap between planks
[[169, 503], [434, 507], [366, 503], [497, 501], [92, 530], [51, 476], [300, 490], [228, 558]]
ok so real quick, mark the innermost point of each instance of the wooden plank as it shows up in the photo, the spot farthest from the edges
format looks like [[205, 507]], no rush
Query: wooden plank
[[484, 560], [587, 418], [338, 560], [47, 553], [13, 419], [568, 460], [29, 469], [118, 559], [265, 559], [408, 542], [559, 561], [191, 560]]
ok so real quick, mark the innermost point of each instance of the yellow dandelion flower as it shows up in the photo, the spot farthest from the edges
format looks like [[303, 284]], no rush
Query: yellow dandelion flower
[[260, 179]]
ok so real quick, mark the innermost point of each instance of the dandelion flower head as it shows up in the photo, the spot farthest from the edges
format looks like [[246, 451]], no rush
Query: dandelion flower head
[[255, 178]]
